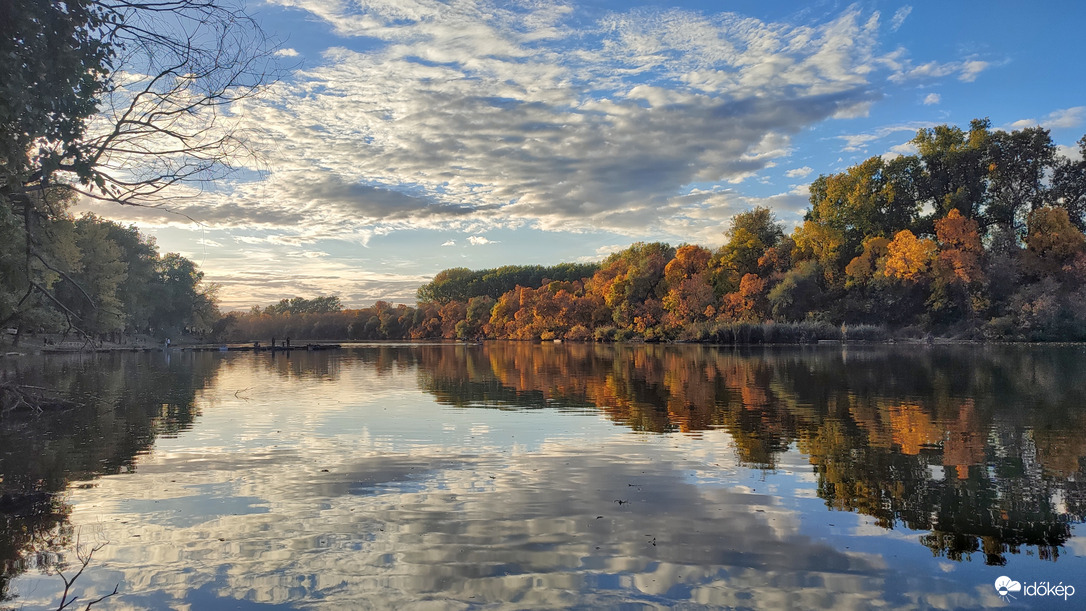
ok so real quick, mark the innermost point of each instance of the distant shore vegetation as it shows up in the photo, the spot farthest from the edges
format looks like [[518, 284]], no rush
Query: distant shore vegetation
[[978, 235]]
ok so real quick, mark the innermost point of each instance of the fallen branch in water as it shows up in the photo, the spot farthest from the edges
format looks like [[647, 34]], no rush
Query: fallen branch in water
[[33, 398]]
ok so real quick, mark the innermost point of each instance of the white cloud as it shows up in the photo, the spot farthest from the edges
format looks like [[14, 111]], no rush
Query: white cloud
[[971, 69], [905, 148], [932, 98], [1073, 153], [1063, 118], [899, 17], [967, 71], [602, 253], [478, 240], [287, 52], [480, 114], [859, 142], [1068, 117]]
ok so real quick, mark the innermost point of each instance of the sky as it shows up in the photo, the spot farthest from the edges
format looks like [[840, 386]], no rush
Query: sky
[[411, 136]]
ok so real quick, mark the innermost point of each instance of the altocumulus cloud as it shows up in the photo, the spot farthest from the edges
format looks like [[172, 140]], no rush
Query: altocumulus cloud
[[476, 115]]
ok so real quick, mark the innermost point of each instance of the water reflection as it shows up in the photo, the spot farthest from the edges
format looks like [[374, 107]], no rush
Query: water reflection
[[127, 402], [981, 446], [570, 476]]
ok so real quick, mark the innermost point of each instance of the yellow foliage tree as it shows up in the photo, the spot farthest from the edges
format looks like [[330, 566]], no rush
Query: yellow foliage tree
[[909, 258]]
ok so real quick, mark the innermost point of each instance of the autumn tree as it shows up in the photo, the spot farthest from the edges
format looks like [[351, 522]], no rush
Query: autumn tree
[[629, 278], [908, 265], [689, 295], [869, 264], [958, 273], [749, 303], [1053, 243], [750, 235], [909, 258], [874, 198]]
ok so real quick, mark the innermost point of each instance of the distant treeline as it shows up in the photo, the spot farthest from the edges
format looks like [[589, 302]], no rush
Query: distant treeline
[[91, 277], [977, 235]]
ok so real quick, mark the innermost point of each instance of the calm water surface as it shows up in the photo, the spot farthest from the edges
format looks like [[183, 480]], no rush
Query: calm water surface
[[513, 475]]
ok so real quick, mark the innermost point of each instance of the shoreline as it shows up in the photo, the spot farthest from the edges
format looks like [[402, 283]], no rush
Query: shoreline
[[322, 345]]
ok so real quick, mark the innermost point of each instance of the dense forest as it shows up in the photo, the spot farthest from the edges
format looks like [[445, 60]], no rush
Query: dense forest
[[978, 235], [93, 278]]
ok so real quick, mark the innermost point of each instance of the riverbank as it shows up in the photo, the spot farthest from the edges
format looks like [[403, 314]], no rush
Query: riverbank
[[741, 334], [43, 344], [46, 343]]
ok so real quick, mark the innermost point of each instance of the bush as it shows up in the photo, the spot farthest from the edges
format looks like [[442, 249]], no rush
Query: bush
[[864, 333], [579, 333], [605, 334], [770, 333]]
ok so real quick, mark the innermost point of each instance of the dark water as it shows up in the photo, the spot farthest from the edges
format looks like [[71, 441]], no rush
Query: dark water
[[525, 476]]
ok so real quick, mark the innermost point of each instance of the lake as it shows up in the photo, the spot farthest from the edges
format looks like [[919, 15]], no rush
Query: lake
[[528, 476]]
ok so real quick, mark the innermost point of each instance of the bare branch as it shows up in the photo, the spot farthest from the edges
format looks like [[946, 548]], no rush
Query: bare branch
[[84, 560]]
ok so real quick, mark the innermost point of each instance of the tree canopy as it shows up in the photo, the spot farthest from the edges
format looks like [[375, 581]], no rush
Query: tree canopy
[[114, 101]]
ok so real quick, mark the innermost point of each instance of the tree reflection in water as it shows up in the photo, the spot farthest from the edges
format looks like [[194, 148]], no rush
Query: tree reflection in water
[[979, 446], [126, 402]]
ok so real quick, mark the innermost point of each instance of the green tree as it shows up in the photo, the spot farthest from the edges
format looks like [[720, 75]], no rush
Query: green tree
[[1018, 163], [93, 290], [57, 62], [300, 305], [798, 294], [750, 235], [182, 303], [140, 256], [874, 198], [182, 61], [954, 169], [1069, 186]]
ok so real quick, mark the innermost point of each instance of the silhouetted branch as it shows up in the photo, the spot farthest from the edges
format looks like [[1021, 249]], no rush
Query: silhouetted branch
[[84, 559]]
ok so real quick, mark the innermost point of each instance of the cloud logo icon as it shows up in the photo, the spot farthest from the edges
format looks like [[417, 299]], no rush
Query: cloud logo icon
[[1005, 585]]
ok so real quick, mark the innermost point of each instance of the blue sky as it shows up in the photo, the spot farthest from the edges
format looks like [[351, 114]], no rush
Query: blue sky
[[411, 136]]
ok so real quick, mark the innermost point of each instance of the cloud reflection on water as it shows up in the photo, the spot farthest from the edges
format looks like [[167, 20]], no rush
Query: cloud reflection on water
[[535, 529], [336, 482]]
